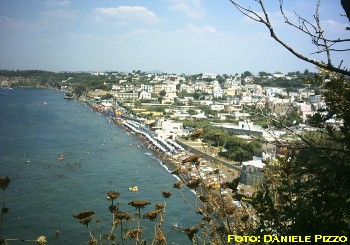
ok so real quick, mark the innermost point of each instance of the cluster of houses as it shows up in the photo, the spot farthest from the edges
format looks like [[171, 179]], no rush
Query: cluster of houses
[[184, 98], [227, 97]]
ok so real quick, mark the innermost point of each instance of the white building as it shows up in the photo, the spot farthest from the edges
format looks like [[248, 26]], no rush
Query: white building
[[169, 129], [144, 95], [209, 75], [251, 172], [126, 95], [146, 87], [217, 107], [278, 75], [206, 102], [218, 92]]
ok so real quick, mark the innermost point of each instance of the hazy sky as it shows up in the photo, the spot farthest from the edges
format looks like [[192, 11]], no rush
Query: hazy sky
[[180, 36]]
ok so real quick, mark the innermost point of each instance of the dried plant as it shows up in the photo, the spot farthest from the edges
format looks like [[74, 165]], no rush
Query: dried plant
[[122, 215], [84, 214], [191, 232], [4, 183], [160, 237], [160, 206], [166, 194], [152, 215], [138, 204], [129, 225], [193, 184], [135, 233], [113, 195], [178, 184]]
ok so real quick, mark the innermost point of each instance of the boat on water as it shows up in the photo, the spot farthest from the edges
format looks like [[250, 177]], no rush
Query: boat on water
[[133, 188], [60, 157], [68, 96]]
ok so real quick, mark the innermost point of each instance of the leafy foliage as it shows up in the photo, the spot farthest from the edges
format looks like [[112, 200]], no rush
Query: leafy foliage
[[306, 191]]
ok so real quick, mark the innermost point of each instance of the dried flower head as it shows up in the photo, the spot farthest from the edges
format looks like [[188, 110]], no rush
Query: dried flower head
[[41, 240], [139, 203], [122, 215], [151, 215], [160, 237], [204, 198], [166, 194], [84, 214], [85, 221], [193, 184], [191, 231], [92, 242], [178, 184], [111, 237], [133, 233], [201, 224], [113, 194], [4, 182], [206, 218], [159, 206], [113, 208]]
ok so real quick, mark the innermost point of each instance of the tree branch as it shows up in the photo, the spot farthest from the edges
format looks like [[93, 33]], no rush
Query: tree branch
[[304, 27]]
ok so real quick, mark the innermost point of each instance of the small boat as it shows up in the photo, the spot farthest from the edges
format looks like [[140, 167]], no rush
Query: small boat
[[68, 96], [60, 157], [174, 225], [133, 188]]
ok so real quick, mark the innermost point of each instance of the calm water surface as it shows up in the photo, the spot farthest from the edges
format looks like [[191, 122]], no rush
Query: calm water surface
[[36, 125]]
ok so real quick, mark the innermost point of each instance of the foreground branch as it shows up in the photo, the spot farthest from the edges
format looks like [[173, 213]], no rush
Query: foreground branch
[[253, 15]]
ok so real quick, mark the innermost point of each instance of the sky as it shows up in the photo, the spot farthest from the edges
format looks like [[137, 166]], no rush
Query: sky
[[173, 36]]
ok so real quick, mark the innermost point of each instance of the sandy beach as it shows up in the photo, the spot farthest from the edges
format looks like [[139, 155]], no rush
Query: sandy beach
[[211, 170]]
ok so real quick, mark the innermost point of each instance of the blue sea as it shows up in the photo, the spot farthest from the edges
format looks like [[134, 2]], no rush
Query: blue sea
[[38, 125]]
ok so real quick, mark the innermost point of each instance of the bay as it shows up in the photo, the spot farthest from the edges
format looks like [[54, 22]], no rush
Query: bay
[[38, 125]]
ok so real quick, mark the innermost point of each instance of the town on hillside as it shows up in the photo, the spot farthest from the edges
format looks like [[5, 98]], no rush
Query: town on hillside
[[238, 120]]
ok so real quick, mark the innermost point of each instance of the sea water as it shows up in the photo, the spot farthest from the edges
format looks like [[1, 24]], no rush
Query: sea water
[[38, 125]]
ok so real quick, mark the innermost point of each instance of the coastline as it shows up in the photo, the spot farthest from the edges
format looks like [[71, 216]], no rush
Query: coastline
[[212, 174], [97, 158]]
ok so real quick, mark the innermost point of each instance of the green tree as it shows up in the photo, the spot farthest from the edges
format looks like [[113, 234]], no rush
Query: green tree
[[263, 74], [80, 90], [306, 190], [107, 96], [247, 74], [192, 112], [196, 95]]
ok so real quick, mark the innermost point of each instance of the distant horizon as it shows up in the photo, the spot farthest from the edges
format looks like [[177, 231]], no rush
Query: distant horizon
[[174, 36], [155, 71]]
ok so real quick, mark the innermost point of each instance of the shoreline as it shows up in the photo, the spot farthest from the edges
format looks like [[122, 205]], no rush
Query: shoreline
[[213, 175]]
